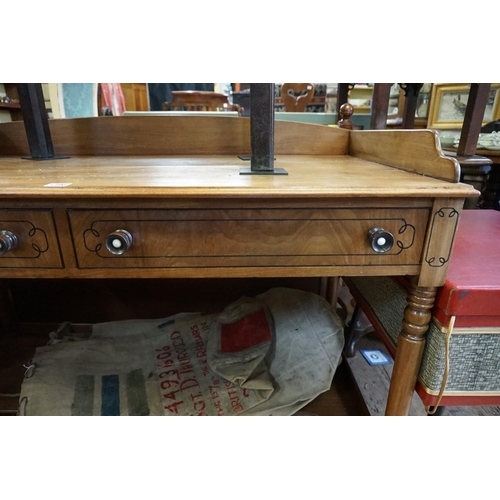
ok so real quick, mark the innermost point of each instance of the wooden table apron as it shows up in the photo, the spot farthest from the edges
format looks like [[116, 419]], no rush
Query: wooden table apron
[[196, 217]]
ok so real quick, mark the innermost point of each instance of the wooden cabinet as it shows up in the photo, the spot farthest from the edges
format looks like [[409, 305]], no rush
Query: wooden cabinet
[[136, 96], [10, 111], [361, 97]]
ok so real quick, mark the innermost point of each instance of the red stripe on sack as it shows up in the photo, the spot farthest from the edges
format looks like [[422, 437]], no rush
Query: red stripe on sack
[[249, 331]]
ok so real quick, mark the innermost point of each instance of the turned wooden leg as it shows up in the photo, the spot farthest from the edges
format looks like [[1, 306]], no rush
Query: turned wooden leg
[[410, 348]]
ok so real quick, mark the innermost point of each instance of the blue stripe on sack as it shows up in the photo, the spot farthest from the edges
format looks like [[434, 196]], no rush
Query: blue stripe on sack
[[110, 403], [167, 323]]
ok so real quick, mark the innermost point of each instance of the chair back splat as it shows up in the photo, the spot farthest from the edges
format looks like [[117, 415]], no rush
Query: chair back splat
[[191, 100], [296, 96]]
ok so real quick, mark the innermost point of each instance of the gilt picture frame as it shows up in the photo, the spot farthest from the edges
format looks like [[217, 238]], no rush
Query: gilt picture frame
[[448, 102]]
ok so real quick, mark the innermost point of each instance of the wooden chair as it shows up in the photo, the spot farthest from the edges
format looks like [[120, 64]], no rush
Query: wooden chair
[[193, 100], [296, 96]]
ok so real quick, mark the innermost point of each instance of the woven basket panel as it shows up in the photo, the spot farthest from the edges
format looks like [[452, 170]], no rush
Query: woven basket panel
[[474, 358]]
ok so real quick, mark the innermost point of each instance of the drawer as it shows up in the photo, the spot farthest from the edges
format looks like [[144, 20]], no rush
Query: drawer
[[29, 240], [246, 238], [191, 238]]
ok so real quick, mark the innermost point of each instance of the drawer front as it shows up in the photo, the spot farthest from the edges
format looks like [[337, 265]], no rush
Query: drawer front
[[35, 240], [247, 238]]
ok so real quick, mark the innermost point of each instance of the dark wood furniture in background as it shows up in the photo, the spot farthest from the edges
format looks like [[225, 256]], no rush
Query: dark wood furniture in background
[[475, 167], [488, 180], [316, 105], [296, 96], [13, 107], [197, 100], [380, 105], [242, 99]]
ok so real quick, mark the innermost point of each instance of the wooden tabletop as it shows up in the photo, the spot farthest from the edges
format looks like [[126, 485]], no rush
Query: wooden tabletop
[[217, 175]]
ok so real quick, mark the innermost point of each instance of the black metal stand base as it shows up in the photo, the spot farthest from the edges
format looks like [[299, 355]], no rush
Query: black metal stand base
[[276, 171], [247, 157]]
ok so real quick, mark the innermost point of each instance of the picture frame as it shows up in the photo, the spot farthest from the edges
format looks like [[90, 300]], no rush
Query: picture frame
[[448, 102]]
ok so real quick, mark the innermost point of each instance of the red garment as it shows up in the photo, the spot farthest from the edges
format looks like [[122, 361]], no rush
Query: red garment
[[112, 97]]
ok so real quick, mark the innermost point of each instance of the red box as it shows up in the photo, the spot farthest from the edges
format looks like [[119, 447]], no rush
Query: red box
[[472, 288]]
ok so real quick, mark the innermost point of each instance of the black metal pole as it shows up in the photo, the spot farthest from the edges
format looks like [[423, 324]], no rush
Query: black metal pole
[[262, 126], [262, 131], [36, 121]]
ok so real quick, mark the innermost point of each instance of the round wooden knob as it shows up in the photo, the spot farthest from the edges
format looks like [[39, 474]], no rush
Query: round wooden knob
[[346, 110], [380, 239], [8, 241], [118, 242]]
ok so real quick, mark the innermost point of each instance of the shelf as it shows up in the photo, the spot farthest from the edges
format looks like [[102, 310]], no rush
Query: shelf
[[4, 105]]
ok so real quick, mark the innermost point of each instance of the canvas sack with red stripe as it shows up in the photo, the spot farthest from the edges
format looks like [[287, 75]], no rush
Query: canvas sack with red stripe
[[264, 356]]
